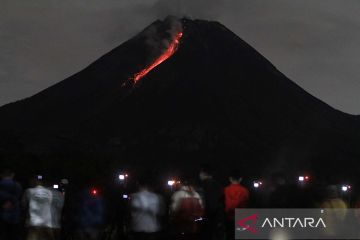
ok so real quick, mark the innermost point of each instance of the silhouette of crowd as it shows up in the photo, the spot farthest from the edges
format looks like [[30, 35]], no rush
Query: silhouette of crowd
[[191, 207]]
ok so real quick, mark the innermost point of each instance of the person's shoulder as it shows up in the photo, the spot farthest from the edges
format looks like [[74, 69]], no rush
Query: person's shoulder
[[339, 203], [154, 196], [39, 189], [132, 195], [57, 194], [7, 183], [196, 194], [241, 189], [179, 192], [30, 191], [147, 194], [136, 195]]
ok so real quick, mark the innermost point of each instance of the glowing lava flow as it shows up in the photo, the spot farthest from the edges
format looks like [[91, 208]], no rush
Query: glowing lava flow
[[165, 55]]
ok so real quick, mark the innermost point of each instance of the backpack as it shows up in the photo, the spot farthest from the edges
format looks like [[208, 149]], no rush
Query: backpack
[[188, 216]]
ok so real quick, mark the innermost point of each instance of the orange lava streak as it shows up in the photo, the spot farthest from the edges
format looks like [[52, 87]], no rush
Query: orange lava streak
[[165, 55]]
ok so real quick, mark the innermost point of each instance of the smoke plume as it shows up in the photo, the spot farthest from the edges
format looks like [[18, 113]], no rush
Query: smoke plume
[[157, 41], [205, 9]]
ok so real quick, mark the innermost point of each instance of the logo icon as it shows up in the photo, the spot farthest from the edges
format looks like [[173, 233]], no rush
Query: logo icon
[[248, 223]]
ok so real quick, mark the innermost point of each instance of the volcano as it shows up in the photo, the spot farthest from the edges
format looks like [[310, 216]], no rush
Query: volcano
[[181, 93]]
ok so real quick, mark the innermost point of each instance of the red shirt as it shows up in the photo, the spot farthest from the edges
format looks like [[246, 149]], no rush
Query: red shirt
[[236, 196]]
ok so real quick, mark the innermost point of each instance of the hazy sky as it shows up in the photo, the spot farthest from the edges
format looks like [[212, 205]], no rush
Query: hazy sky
[[316, 43]]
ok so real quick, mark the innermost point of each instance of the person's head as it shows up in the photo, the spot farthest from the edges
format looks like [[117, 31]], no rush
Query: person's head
[[187, 184], [332, 192], [35, 181], [235, 177], [187, 180], [7, 174], [205, 173], [144, 182]]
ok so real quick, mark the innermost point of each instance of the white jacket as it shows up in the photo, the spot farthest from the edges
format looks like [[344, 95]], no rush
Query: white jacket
[[146, 208], [44, 207]]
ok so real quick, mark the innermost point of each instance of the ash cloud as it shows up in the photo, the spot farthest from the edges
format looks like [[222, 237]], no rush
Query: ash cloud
[[204, 9], [177, 9], [156, 40]]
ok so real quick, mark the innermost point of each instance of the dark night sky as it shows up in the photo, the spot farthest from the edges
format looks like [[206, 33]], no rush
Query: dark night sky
[[315, 43]]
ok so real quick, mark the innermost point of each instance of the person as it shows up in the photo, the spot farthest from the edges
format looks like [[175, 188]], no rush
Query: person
[[10, 211], [186, 212], [235, 196], [44, 208], [333, 219], [89, 213], [357, 208], [284, 194], [146, 210], [212, 193]]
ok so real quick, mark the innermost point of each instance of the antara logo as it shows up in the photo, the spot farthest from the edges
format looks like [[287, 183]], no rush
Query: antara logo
[[293, 222], [244, 223], [249, 223]]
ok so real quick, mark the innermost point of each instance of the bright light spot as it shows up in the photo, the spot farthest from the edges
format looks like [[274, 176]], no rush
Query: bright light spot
[[56, 186], [39, 177], [171, 182], [344, 188], [125, 196], [256, 184], [307, 177], [94, 192], [301, 178], [122, 177]]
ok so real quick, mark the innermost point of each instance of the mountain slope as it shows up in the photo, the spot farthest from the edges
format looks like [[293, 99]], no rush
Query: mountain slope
[[215, 99]]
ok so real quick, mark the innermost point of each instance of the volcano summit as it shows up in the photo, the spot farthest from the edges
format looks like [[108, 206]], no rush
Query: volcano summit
[[181, 92]]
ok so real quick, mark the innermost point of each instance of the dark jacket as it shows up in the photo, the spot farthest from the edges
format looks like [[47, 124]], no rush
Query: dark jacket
[[212, 193], [10, 194]]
